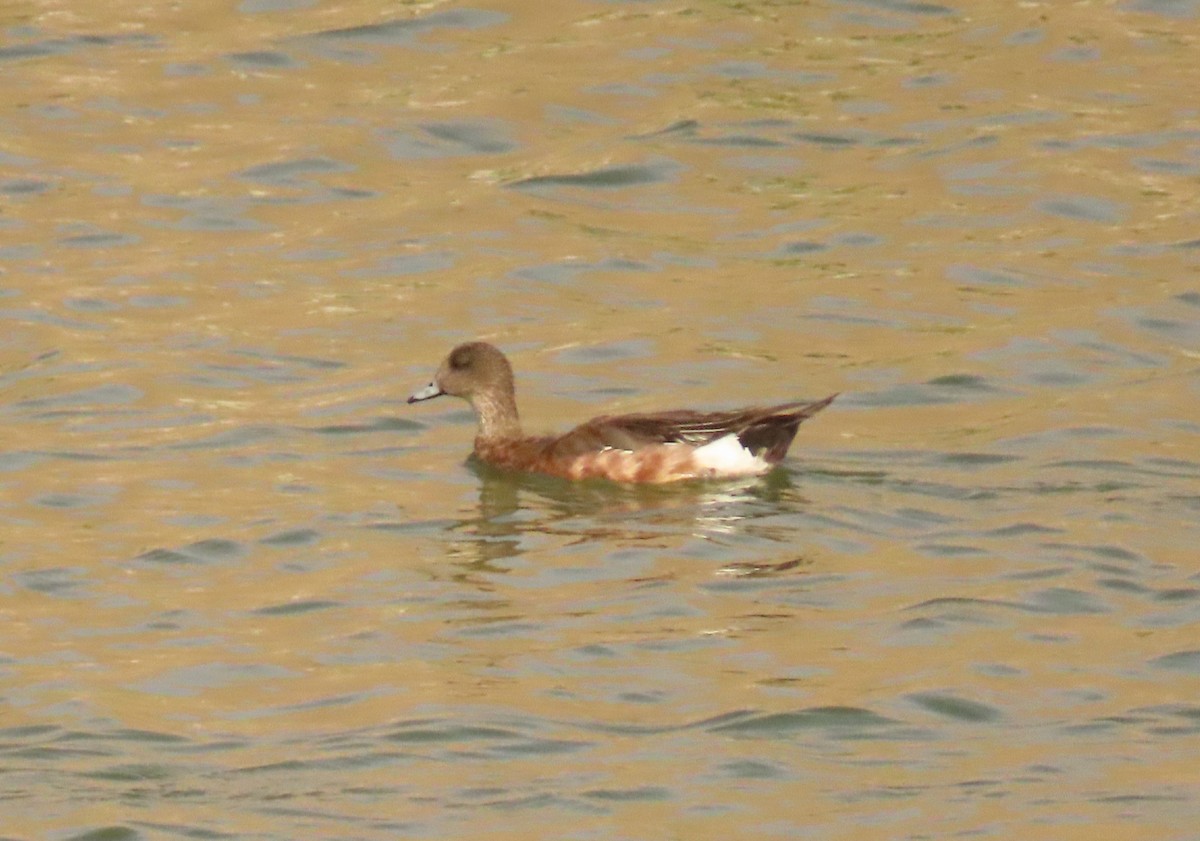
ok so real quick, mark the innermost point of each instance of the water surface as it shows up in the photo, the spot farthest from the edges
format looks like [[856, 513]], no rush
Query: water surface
[[248, 592]]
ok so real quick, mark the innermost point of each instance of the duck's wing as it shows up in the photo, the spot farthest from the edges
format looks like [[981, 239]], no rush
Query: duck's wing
[[765, 429]]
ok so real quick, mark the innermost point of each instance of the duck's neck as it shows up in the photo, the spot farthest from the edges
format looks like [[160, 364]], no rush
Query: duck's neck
[[497, 416]]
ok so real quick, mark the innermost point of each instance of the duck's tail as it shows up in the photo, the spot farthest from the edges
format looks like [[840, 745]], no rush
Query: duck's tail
[[770, 433]]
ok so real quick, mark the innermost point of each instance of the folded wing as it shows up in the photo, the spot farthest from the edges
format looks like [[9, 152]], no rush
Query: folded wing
[[764, 431]]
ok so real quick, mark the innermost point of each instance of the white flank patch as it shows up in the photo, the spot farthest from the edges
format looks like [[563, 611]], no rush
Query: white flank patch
[[727, 457]]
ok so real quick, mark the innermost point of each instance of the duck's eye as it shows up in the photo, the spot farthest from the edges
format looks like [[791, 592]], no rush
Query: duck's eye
[[460, 359]]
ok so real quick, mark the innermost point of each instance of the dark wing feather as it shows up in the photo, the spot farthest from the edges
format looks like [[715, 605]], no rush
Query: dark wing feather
[[769, 429]]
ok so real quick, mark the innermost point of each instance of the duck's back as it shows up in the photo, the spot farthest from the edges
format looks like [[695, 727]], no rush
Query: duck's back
[[660, 446]]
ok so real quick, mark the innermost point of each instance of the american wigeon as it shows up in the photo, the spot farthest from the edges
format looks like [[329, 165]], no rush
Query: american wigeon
[[652, 447]]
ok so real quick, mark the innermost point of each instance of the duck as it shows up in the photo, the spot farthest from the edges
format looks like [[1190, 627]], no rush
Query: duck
[[652, 447]]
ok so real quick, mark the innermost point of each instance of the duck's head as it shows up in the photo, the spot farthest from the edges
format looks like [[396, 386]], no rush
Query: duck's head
[[472, 370]]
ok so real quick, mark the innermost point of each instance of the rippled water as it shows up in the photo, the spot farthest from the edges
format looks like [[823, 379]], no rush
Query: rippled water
[[248, 593]]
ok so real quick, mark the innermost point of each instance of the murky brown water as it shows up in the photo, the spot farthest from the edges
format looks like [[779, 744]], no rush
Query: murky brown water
[[247, 593]]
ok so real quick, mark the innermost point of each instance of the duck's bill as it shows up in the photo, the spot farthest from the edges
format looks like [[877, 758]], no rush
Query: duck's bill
[[427, 393]]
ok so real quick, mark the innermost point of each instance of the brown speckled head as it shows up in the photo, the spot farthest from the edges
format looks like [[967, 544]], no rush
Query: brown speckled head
[[479, 373], [474, 367]]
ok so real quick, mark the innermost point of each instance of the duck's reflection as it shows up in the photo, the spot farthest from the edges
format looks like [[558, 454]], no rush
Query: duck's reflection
[[514, 506]]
